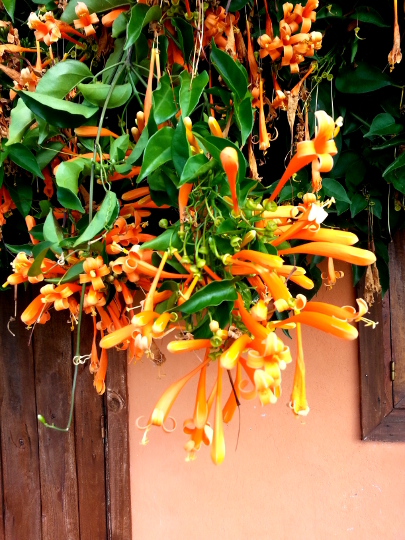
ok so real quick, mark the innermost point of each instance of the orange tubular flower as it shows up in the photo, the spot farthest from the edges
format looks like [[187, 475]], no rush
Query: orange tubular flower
[[199, 435], [298, 401], [395, 55], [319, 151], [85, 20], [264, 141], [176, 347], [148, 96], [230, 163], [326, 323], [184, 193], [218, 440], [94, 362], [30, 222], [350, 254], [201, 407], [48, 189], [91, 132], [59, 295], [99, 377], [230, 357], [95, 270], [108, 19], [216, 131], [33, 310]]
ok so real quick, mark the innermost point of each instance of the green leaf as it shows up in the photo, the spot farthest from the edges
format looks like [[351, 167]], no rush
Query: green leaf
[[196, 166], [113, 59], [190, 91], [10, 7], [383, 124], [46, 155], [180, 149], [141, 15], [24, 248], [57, 112], [395, 141], [211, 295], [215, 145], [96, 94], [21, 195], [69, 200], [37, 232], [168, 238], [157, 151], [118, 147], [185, 36], [101, 219], [232, 72], [20, 120], [399, 162], [52, 230], [164, 106], [119, 26], [45, 206], [39, 251], [368, 15], [365, 78], [333, 188], [73, 273], [62, 78], [67, 179], [95, 6], [139, 147], [220, 314], [358, 204], [21, 156], [244, 117]]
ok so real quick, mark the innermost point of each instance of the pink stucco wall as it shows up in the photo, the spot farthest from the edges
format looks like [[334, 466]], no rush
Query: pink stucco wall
[[288, 479]]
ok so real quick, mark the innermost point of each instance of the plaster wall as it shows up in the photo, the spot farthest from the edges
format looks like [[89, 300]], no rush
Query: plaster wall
[[289, 478]]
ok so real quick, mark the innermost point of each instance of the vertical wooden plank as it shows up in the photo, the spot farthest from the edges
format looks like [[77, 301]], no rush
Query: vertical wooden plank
[[397, 295], [117, 448], [387, 399], [371, 361], [18, 426], [1, 499], [53, 372], [89, 446]]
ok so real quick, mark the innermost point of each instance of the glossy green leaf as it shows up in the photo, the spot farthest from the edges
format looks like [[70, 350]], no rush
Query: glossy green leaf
[[211, 295], [62, 78], [383, 124], [20, 120], [196, 166], [67, 178], [244, 117], [215, 145], [395, 141], [365, 78], [97, 93], [37, 232], [396, 164], [95, 6], [21, 195], [10, 7], [118, 147], [52, 230], [180, 148], [164, 106], [232, 72], [220, 314], [139, 147], [39, 251], [57, 112], [113, 59], [141, 15], [119, 26], [100, 220], [190, 91], [157, 151], [73, 273], [185, 36], [333, 188], [168, 238], [24, 248], [368, 15], [21, 156], [358, 204], [69, 200], [46, 155]]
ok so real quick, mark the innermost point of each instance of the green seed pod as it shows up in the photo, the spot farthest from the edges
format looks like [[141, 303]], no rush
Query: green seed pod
[[216, 341], [163, 223]]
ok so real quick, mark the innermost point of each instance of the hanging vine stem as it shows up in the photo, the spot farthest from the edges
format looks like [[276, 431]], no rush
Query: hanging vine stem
[[96, 145], [72, 397]]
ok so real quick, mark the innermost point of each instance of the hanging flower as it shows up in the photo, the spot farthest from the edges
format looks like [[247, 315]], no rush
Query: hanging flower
[[85, 20]]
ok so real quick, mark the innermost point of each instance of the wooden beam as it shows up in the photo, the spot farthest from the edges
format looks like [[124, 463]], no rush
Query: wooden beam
[[18, 426], [391, 429], [117, 448]]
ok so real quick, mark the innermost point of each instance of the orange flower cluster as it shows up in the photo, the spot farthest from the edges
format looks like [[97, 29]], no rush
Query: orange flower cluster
[[291, 46]]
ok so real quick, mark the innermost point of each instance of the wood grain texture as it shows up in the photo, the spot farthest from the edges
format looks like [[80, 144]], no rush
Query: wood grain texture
[[53, 370], [1, 500], [117, 448], [397, 295], [89, 446], [391, 429], [18, 425], [371, 361]]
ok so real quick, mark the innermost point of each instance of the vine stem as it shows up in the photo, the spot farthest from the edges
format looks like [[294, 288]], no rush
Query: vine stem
[[96, 144]]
